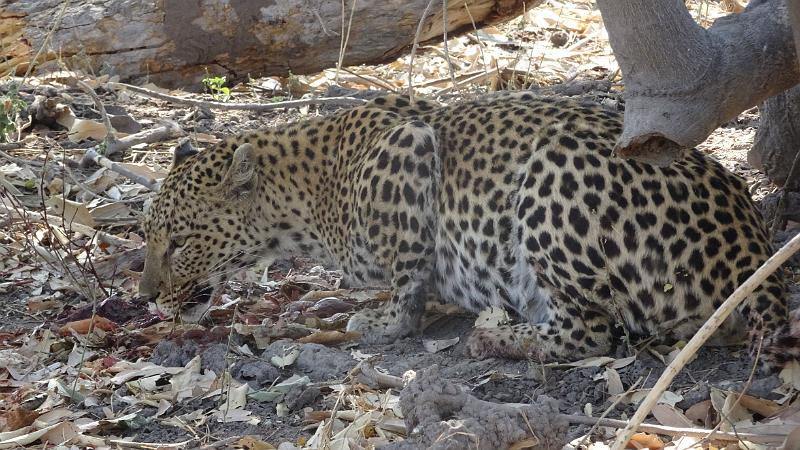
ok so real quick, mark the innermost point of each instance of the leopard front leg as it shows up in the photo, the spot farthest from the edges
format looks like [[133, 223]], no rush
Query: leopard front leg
[[396, 214]]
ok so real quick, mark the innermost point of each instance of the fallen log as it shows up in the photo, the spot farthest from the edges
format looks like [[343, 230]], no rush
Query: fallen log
[[177, 43]]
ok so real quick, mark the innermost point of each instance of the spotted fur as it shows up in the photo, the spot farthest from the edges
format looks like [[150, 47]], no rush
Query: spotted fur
[[515, 202]]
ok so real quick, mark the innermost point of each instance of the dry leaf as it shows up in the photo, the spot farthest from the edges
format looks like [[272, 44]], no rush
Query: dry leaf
[[205, 138], [62, 432], [71, 211], [101, 180], [614, 382], [636, 397], [327, 307], [782, 424], [157, 332], [766, 408], [699, 412], [253, 443], [85, 326], [594, 361], [644, 440], [687, 443], [791, 374], [86, 129], [622, 362], [531, 442], [23, 436], [733, 414], [16, 418], [330, 337], [437, 345], [145, 171], [43, 303], [287, 360], [671, 417], [237, 397], [111, 211], [792, 441]]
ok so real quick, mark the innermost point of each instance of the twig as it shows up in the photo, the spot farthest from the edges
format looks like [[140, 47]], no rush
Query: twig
[[477, 39], [479, 77], [375, 81], [327, 429], [114, 145], [724, 436], [746, 386], [149, 445], [371, 377], [92, 155], [16, 160], [702, 335], [93, 194], [74, 226], [781, 206], [337, 101], [609, 409], [322, 23], [168, 130], [222, 443], [414, 50], [10, 145], [444, 43], [351, 416], [345, 38], [110, 139], [761, 438]]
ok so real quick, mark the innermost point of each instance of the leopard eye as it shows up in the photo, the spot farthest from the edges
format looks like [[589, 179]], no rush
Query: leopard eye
[[178, 241]]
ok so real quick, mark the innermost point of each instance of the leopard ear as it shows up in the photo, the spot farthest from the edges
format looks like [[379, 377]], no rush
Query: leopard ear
[[182, 152], [241, 178]]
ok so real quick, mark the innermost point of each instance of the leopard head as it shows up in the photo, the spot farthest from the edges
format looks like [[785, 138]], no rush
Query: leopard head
[[197, 228]]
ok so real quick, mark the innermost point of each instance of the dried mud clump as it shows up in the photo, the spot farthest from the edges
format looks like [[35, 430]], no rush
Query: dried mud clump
[[442, 415]]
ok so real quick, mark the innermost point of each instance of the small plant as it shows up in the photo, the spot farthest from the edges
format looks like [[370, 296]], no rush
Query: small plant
[[10, 105], [216, 87]]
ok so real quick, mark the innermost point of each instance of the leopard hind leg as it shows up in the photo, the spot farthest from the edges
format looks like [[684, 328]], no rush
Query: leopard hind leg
[[572, 332]]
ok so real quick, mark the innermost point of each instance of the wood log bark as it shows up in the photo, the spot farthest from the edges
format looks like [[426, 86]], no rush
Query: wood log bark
[[777, 139], [173, 42], [777, 142], [683, 81]]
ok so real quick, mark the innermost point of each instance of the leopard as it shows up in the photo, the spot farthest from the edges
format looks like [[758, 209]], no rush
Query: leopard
[[517, 202]]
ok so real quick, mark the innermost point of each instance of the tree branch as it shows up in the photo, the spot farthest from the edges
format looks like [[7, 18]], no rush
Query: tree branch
[[683, 81]]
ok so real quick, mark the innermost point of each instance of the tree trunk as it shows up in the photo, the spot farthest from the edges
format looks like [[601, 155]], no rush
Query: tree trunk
[[683, 81], [777, 140], [172, 42]]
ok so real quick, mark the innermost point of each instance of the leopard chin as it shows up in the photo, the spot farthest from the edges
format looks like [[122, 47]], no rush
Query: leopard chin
[[189, 307]]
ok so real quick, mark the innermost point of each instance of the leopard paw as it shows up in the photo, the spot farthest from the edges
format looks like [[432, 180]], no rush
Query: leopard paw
[[778, 350], [377, 327], [498, 342]]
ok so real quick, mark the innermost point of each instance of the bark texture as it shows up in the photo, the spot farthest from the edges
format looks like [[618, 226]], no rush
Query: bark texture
[[172, 42], [777, 139], [683, 81]]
